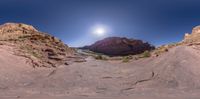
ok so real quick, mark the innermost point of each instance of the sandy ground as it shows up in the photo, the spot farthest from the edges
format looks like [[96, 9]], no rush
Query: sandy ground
[[173, 75]]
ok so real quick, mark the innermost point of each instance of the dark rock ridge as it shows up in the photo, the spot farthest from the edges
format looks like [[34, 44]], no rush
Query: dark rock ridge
[[119, 46], [41, 48]]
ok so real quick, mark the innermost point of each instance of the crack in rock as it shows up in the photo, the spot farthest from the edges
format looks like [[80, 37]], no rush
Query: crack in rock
[[139, 81], [51, 73]]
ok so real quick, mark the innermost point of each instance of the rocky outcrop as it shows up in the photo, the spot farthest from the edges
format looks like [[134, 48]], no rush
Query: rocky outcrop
[[42, 49], [193, 37], [119, 46]]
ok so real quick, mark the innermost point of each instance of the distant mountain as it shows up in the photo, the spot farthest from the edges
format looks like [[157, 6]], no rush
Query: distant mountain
[[40, 48], [117, 46]]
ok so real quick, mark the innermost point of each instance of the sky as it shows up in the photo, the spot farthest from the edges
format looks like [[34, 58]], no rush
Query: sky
[[74, 21]]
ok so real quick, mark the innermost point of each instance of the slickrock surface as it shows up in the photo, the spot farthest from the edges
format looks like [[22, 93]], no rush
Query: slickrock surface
[[171, 75]]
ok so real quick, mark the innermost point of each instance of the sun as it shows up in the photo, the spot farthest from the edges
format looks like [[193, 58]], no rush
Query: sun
[[100, 31]]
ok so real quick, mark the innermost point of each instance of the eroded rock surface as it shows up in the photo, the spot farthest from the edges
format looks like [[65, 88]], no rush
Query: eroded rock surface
[[42, 49], [194, 36]]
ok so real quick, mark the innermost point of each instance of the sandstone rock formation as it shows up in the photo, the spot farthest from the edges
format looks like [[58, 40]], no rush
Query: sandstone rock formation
[[116, 46], [193, 37], [42, 49]]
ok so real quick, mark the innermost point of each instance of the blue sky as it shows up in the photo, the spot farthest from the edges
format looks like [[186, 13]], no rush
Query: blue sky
[[155, 21]]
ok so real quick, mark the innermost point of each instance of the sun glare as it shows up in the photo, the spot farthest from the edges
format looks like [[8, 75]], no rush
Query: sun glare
[[99, 31]]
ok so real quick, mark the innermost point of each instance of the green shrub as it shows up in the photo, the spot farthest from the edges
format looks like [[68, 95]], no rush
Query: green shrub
[[127, 58], [100, 57], [146, 54]]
